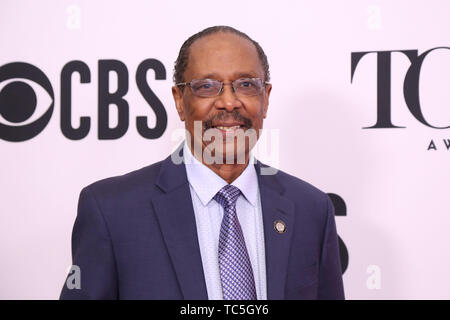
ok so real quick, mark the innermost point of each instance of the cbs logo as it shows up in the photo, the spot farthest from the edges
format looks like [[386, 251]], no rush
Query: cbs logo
[[20, 119], [18, 102]]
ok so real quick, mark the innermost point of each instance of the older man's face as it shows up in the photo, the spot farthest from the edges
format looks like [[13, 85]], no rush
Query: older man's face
[[225, 57]]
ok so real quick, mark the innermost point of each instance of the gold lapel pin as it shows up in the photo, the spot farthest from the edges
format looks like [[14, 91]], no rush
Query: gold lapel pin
[[279, 226]]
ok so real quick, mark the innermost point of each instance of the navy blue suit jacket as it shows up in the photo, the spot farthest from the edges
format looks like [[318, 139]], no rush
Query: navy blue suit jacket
[[135, 237]]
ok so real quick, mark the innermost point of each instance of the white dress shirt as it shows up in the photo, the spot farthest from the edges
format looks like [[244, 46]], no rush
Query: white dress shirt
[[204, 184]]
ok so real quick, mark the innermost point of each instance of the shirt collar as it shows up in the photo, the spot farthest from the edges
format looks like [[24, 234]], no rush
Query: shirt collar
[[206, 183]]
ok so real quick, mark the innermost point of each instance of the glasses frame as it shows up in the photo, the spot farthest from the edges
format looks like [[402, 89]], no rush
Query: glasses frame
[[265, 83]]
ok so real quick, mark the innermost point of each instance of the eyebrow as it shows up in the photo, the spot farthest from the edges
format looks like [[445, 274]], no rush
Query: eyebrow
[[236, 75]]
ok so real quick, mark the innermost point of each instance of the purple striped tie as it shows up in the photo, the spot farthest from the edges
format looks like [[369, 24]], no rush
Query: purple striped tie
[[234, 263]]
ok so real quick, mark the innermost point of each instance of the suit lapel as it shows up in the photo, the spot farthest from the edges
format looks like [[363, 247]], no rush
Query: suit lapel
[[277, 245], [175, 213]]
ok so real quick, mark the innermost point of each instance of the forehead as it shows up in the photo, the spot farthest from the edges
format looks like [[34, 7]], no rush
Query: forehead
[[223, 56]]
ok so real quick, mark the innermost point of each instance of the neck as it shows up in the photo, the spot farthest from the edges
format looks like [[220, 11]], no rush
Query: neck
[[228, 172]]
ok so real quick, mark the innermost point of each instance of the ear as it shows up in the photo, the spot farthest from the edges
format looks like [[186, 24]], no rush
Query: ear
[[266, 98], [179, 103]]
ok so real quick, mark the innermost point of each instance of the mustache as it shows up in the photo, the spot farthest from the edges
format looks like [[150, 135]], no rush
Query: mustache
[[235, 115]]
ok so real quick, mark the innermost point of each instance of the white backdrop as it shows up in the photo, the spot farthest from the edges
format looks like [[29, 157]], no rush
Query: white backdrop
[[395, 189]]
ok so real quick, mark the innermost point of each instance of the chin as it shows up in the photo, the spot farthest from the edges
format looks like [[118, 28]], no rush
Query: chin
[[233, 154]]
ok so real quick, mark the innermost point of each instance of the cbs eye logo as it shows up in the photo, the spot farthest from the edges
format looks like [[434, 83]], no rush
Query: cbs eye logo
[[22, 117], [18, 102]]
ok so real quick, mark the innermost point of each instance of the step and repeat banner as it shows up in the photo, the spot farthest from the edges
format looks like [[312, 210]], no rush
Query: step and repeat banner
[[360, 108]]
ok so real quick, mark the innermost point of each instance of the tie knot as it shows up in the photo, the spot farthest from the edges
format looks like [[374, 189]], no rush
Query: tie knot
[[227, 196]]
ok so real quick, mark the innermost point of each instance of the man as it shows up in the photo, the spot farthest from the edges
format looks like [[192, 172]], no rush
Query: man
[[215, 225]]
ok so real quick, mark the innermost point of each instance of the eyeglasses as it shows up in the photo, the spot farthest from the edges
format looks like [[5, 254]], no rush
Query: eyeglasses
[[210, 88]]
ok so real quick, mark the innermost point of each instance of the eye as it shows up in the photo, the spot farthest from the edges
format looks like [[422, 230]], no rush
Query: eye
[[246, 83], [23, 101], [205, 86]]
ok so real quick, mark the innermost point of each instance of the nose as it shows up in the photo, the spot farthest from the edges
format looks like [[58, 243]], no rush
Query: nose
[[227, 99]]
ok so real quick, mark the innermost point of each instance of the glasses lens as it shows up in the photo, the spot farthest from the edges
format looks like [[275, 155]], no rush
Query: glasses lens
[[206, 87], [248, 87]]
